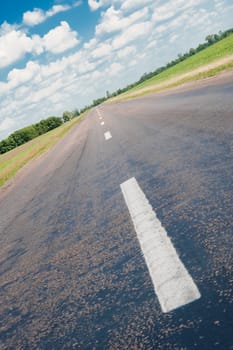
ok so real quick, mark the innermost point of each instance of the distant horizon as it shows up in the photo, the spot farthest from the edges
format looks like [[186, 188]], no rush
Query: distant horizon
[[62, 55]]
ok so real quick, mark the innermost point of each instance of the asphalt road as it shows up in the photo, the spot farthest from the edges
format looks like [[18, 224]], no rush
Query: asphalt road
[[72, 271]]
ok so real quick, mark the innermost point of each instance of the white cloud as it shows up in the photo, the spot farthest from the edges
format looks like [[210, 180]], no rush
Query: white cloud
[[5, 28], [172, 8], [135, 4], [85, 67], [38, 47], [173, 38], [129, 39], [60, 39], [129, 50], [96, 4], [56, 9], [114, 20], [13, 46], [90, 44], [130, 34], [7, 124], [102, 50], [152, 44], [115, 68], [37, 16], [162, 13], [19, 76], [34, 17]]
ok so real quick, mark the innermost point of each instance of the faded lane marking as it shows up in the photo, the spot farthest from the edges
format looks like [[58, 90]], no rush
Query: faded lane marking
[[107, 135], [98, 112], [173, 285], [102, 123]]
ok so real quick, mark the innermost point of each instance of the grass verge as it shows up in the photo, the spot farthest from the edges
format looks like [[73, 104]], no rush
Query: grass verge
[[179, 81], [12, 161], [206, 63]]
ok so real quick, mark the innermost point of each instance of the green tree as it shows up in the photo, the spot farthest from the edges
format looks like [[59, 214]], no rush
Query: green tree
[[67, 116], [76, 113]]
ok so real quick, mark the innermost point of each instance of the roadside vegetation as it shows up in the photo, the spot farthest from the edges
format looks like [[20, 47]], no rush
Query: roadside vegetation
[[215, 47], [15, 159], [210, 55], [21, 136], [29, 142]]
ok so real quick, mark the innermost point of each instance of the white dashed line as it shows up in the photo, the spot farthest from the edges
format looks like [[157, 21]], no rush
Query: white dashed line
[[102, 123], [172, 283], [98, 112], [107, 135]]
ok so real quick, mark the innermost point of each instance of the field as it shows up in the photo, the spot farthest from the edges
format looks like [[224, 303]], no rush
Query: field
[[14, 160], [205, 63]]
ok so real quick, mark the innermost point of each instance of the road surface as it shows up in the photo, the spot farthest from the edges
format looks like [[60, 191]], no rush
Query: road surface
[[73, 275]]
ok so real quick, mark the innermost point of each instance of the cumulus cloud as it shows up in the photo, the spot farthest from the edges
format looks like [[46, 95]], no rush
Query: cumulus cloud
[[96, 4], [114, 20], [115, 68], [7, 124], [13, 46], [104, 49], [130, 34], [163, 13], [135, 4], [172, 8], [34, 17], [60, 39], [129, 50], [130, 38], [37, 16], [19, 76]]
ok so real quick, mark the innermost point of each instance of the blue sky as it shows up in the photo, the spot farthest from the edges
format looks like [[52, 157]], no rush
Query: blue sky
[[58, 55]]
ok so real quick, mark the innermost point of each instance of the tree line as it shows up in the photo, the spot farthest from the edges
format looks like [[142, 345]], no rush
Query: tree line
[[28, 133], [209, 40], [21, 136]]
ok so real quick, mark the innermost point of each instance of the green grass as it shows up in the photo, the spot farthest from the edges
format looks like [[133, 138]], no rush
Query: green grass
[[12, 161], [198, 76], [209, 55]]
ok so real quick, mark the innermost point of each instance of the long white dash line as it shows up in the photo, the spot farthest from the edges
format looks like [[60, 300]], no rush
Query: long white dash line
[[107, 135], [173, 284], [102, 123]]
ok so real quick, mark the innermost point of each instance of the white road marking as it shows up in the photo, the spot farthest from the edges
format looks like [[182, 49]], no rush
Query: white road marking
[[98, 112], [107, 135], [172, 283], [102, 123]]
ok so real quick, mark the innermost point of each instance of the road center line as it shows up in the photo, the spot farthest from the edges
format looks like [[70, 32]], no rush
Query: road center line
[[98, 112], [107, 135], [173, 284], [102, 123]]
